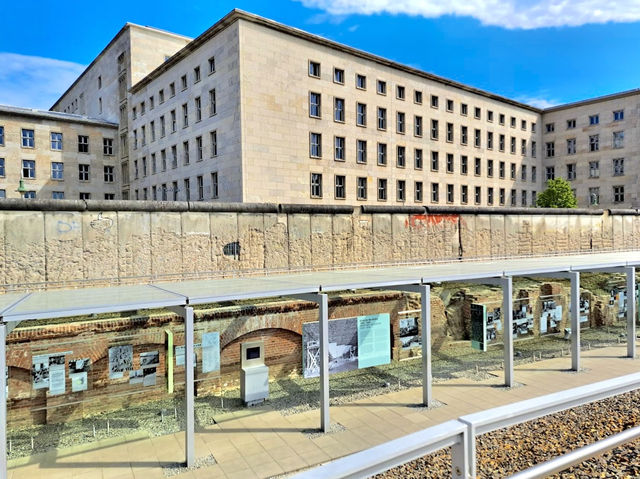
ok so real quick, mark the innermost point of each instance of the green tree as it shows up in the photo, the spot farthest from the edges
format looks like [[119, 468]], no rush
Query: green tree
[[557, 195]]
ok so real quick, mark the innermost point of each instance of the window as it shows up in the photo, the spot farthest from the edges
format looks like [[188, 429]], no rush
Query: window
[[477, 195], [534, 149], [571, 124], [382, 154], [83, 172], [490, 195], [339, 154], [571, 146], [163, 188], [513, 145], [196, 74], [56, 141], [338, 76], [463, 135], [163, 160], [213, 109], [29, 169], [214, 143], [618, 166], [501, 170], [161, 95], [464, 164], [435, 192], [338, 110], [618, 115], [314, 69], [198, 148], [550, 149], [550, 173], [361, 151], [183, 81], [618, 139], [143, 130], [594, 169], [534, 174], [477, 112], [154, 164], [185, 152], [418, 192], [1, 135], [28, 138], [550, 127], [314, 105], [464, 194], [477, 140], [463, 109], [125, 172], [340, 183], [618, 194], [108, 174], [361, 114], [501, 196], [434, 161], [172, 89], [417, 97], [513, 122], [174, 122], [57, 171], [501, 140], [417, 125], [512, 171], [107, 146], [594, 142], [400, 92], [187, 189], [523, 124], [490, 168], [449, 162], [571, 171], [212, 65], [594, 195], [214, 184], [99, 82], [86, 196], [151, 103], [477, 167], [200, 185], [401, 156], [381, 87], [523, 199], [111, 196], [417, 154], [31, 195], [400, 122], [134, 112], [57, 195], [143, 108], [185, 115], [174, 189], [450, 132], [489, 140], [523, 173], [198, 105], [401, 189], [523, 147], [594, 119], [434, 129], [361, 82], [489, 116], [449, 193], [513, 198], [163, 127], [315, 145], [2, 168], [382, 118], [174, 157], [361, 187], [382, 189], [449, 105], [434, 101]]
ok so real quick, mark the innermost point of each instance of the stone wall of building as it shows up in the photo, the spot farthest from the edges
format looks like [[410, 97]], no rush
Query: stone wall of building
[[70, 243]]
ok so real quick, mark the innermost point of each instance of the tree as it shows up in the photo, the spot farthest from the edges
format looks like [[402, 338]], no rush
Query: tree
[[557, 195]]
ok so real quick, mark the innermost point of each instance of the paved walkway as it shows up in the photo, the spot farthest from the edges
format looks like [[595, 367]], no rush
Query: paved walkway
[[262, 443]]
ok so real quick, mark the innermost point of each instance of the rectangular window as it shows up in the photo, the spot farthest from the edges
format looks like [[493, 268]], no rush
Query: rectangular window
[[108, 174], [490, 168], [314, 69], [434, 129], [315, 145], [550, 127], [435, 192], [450, 194], [449, 162], [314, 104], [339, 154], [618, 139], [594, 169], [382, 118], [523, 198], [417, 154], [401, 156], [1, 135], [501, 170], [2, 168], [618, 166], [534, 174], [512, 172], [464, 194], [56, 141], [464, 164], [83, 172], [29, 169], [382, 154], [434, 101], [161, 95], [338, 76], [550, 149], [501, 141], [571, 124], [513, 198], [513, 122], [151, 103], [174, 157], [212, 65], [434, 161], [172, 89], [213, 108], [381, 87], [400, 122], [523, 147], [550, 173], [185, 115], [463, 135], [107, 146], [152, 127], [214, 184], [594, 142], [417, 97], [361, 114], [513, 145], [57, 171], [489, 140], [29, 195], [382, 189], [214, 143], [28, 138], [144, 135], [361, 185], [501, 196], [477, 195], [418, 193], [199, 148], [618, 194], [174, 122], [594, 119], [618, 115], [523, 124], [571, 146], [198, 106], [87, 196], [163, 127], [417, 123], [361, 82], [340, 187], [490, 116], [196, 74], [477, 112], [449, 105], [571, 171], [361, 151], [185, 153], [338, 110], [57, 195], [175, 190], [450, 132], [183, 82], [477, 140], [143, 108], [490, 195], [594, 196], [187, 189], [400, 92], [110, 196], [401, 190], [154, 165], [523, 173], [163, 160], [200, 185], [463, 109], [477, 168]]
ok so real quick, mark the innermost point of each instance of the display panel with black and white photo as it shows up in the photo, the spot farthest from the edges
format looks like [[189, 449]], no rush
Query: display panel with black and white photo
[[120, 360], [409, 333], [550, 314], [78, 373]]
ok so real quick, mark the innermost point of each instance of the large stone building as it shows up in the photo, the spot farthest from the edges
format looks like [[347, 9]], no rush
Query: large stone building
[[255, 111]]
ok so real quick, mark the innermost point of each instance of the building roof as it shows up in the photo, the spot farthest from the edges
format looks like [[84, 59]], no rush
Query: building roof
[[54, 116], [598, 99]]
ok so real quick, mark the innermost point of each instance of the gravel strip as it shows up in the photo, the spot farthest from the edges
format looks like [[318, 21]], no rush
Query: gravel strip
[[176, 468]]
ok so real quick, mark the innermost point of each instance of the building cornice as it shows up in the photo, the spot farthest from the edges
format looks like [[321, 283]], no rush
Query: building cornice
[[54, 116], [590, 101]]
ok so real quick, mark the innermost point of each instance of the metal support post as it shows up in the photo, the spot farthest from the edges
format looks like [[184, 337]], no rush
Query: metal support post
[[631, 311], [575, 320], [425, 303], [3, 401], [507, 333]]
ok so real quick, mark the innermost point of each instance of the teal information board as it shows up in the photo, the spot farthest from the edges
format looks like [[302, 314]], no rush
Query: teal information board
[[374, 340]]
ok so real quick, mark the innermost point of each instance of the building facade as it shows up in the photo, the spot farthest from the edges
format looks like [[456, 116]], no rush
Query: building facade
[[256, 111]]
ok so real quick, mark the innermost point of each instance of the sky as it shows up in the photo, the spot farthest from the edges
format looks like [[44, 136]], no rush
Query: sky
[[540, 52]]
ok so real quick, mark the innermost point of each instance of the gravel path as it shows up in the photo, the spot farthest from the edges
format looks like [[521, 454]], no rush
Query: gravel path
[[507, 451]]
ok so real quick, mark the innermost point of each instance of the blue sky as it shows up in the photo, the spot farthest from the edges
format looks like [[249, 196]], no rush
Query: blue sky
[[542, 52]]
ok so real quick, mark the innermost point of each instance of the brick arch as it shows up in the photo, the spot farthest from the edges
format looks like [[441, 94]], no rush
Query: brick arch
[[245, 325]]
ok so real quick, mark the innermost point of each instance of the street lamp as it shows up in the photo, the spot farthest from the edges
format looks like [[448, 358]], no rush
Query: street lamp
[[21, 188]]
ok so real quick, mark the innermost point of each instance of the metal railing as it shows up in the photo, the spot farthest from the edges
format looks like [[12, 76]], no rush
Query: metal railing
[[461, 435]]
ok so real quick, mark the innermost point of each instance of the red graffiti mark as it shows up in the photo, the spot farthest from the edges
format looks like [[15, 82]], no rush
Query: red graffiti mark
[[419, 221]]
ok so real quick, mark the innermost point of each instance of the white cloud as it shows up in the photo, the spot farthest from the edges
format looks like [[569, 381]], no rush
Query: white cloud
[[512, 14], [34, 82], [538, 102]]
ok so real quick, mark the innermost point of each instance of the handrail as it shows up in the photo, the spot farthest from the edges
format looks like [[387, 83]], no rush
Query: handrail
[[398, 451]]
